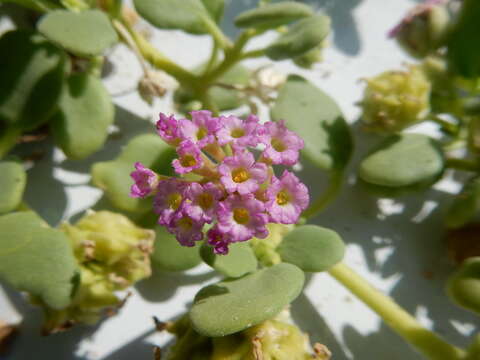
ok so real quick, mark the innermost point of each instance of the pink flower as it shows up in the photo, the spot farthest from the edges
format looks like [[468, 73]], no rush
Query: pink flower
[[241, 173], [202, 201], [190, 158], [242, 217], [169, 199], [218, 240], [237, 131], [201, 129], [288, 198], [167, 127], [145, 181], [186, 230], [282, 145]]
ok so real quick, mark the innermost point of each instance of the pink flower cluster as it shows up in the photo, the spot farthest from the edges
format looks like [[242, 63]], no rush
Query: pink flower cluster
[[226, 179]]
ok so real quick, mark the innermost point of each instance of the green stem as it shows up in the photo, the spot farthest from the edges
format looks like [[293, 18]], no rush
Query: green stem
[[213, 57], [462, 164], [216, 33], [253, 54], [447, 126], [334, 186], [8, 139], [155, 57], [208, 104], [427, 342]]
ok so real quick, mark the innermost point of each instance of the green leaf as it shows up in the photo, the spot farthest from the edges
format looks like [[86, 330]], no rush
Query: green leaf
[[465, 205], [473, 351], [273, 15], [32, 71], [215, 9], [80, 126], [300, 38], [239, 261], [37, 259], [463, 54], [464, 286], [233, 305], [86, 33], [186, 15], [312, 248], [402, 161], [169, 255], [114, 176], [12, 182], [318, 120]]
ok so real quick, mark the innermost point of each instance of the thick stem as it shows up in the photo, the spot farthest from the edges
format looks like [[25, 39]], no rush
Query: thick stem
[[425, 341], [216, 33], [462, 164], [334, 186]]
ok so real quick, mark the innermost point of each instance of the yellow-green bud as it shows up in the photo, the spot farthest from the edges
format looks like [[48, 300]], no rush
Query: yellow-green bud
[[265, 249], [113, 254], [395, 100], [424, 28]]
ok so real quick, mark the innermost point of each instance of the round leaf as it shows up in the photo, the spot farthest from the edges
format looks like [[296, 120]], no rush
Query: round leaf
[[186, 15], [464, 286], [300, 38], [312, 248], [12, 183], [37, 259], [239, 261], [233, 305], [465, 205], [273, 15], [86, 33], [32, 71], [114, 176], [80, 126], [215, 8], [403, 160], [169, 255], [317, 119]]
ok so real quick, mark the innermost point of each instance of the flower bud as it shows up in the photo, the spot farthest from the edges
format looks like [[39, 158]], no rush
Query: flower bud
[[113, 254], [395, 100], [424, 28]]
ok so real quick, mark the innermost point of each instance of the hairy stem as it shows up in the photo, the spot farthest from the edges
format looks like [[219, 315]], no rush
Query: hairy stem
[[425, 341]]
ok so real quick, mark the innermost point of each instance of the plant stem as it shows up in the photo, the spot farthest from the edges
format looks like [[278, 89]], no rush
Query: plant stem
[[462, 164], [334, 186], [253, 54], [447, 126], [157, 59], [216, 33], [427, 342], [8, 139]]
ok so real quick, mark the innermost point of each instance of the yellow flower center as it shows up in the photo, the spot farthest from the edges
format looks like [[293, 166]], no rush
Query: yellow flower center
[[237, 133], [201, 133], [174, 200], [188, 161], [205, 200], [185, 223], [278, 145], [282, 197], [241, 215], [240, 175]]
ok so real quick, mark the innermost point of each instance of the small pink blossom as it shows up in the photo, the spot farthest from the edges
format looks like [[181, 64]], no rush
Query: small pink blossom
[[201, 129], [167, 127], [288, 197], [238, 131], [241, 173], [202, 201], [190, 158], [242, 217], [186, 230], [282, 145], [169, 199], [218, 240], [145, 181]]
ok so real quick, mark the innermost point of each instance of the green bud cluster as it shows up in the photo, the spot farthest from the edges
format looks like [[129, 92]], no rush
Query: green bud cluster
[[112, 254], [395, 100], [275, 339]]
